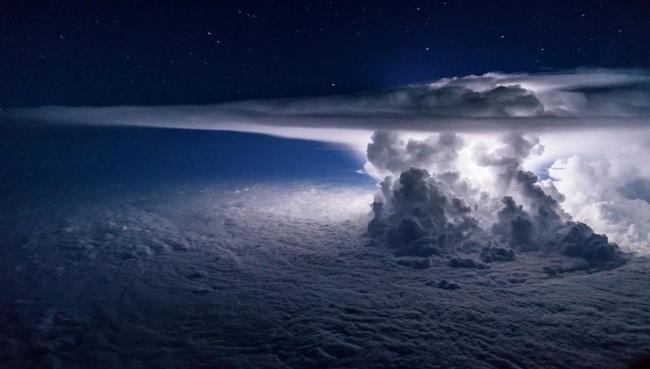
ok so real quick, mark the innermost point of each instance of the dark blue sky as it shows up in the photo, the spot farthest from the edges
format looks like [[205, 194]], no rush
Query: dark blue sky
[[136, 52], [42, 161]]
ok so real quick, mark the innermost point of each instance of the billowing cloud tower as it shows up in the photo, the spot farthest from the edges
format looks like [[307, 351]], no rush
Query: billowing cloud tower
[[426, 207]]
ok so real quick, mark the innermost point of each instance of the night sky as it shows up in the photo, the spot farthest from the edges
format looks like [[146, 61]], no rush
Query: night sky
[[150, 53]]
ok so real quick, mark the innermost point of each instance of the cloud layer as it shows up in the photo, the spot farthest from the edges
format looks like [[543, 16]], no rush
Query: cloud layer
[[493, 101], [281, 276]]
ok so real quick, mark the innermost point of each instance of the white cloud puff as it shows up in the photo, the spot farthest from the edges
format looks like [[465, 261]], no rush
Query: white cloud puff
[[604, 192]]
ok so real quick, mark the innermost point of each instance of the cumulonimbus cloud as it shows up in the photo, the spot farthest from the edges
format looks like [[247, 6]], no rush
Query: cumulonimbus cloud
[[444, 212], [597, 115]]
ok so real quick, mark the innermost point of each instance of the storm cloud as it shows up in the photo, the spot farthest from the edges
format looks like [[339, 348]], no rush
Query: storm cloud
[[443, 214], [569, 118]]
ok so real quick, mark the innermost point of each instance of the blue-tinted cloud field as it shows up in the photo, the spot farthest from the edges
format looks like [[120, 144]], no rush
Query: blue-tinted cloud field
[[475, 222]]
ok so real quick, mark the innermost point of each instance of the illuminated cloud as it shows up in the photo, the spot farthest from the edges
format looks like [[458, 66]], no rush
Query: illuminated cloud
[[446, 213], [575, 117]]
